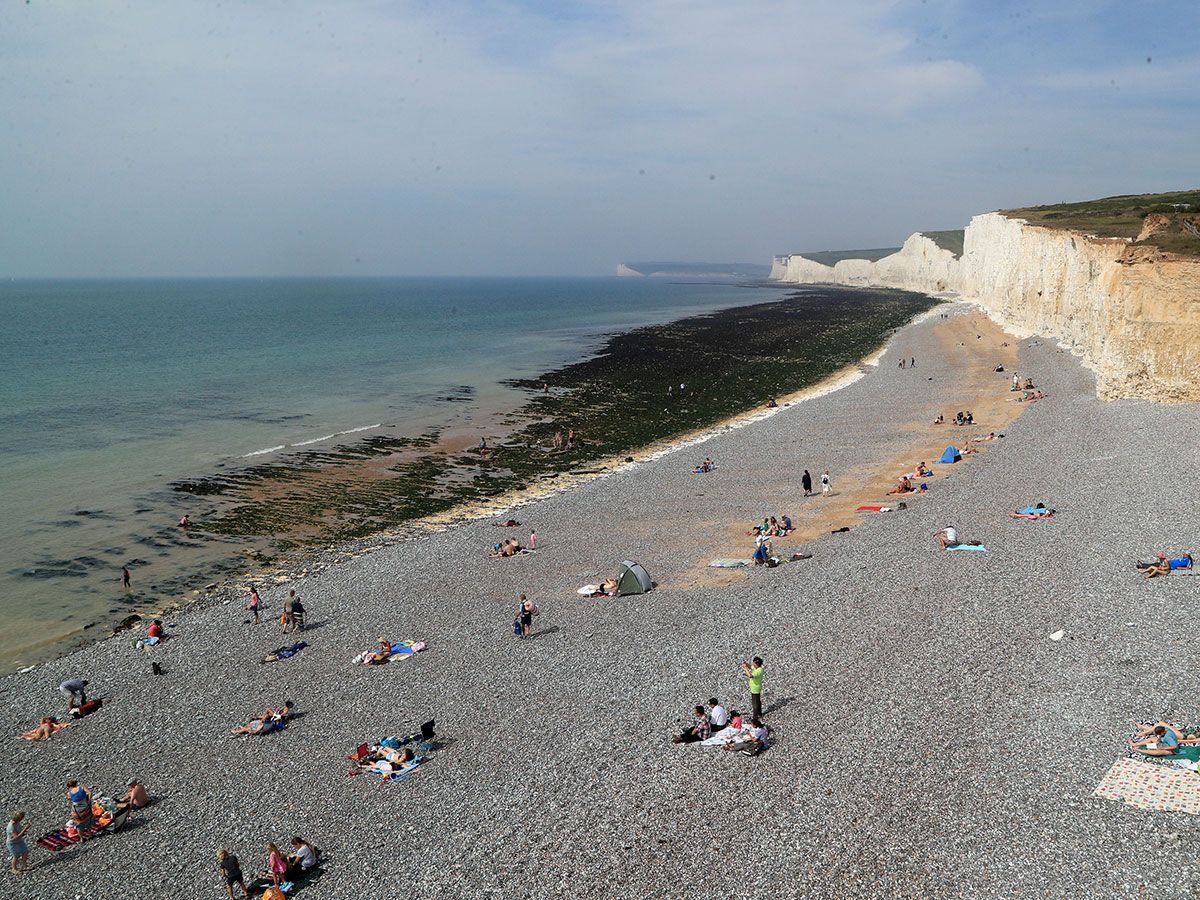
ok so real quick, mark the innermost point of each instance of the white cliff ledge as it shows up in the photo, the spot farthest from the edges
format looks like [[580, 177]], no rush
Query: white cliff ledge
[[1132, 313]]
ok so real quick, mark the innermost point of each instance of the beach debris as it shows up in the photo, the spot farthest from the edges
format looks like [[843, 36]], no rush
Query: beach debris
[[1058, 635]]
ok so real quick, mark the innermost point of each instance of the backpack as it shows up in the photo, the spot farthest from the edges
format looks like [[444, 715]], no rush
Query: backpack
[[517, 626]]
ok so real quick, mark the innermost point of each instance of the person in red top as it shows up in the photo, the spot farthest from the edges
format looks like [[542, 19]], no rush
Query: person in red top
[[156, 629]]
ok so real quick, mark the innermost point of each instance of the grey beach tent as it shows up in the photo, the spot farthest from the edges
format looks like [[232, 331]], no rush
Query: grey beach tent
[[633, 579]]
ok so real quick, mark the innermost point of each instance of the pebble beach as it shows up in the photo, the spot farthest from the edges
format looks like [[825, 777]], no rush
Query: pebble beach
[[929, 739]]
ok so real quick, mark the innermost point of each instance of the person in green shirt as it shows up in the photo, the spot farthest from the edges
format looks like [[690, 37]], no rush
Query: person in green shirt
[[754, 675]]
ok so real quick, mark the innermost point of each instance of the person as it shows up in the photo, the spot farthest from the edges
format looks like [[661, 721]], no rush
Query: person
[[735, 719], [268, 721], [700, 729], [135, 796], [545, 387], [156, 629], [525, 612], [382, 655], [754, 743], [826, 484], [1016, 382], [762, 550], [1037, 511], [806, 483], [532, 538], [771, 404], [45, 729], [912, 363], [787, 523], [231, 870], [940, 420], [81, 803], [570, 438], [305, 856], [1162, 567], [1161, 740], [14, 842], [125, 577], [609, 587], [276, 864], [254, 605], [947, 537], [558, 440], [75, 690], [285, 620], [902, 362], [483, 447], [718, 718], [185, 521], [970, 419], [754, 678], [297, 613], [904, 486]]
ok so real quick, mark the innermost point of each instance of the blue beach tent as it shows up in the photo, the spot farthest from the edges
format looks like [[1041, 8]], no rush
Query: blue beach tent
[[951, 455]]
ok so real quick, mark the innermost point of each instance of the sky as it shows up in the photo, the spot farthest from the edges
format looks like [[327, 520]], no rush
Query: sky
[[552, 137]]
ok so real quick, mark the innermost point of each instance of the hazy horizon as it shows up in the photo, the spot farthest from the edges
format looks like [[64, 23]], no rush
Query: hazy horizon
[[541, 139]]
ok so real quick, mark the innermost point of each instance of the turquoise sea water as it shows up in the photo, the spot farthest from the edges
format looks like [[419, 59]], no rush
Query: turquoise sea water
[[110, 390]]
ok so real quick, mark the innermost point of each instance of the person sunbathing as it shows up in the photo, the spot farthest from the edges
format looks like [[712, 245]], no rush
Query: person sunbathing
[[268, 721], [609, 587], [1038, 511], [968, 449], [1160, 740], [923, 470], [135, 796], [511, 547], [905, 486], [382, 655], [1162, 567], [45, 729], [991, 437]]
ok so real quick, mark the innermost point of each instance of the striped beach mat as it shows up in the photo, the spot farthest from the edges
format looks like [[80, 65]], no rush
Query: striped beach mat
[[60, 840], [1145, 785]]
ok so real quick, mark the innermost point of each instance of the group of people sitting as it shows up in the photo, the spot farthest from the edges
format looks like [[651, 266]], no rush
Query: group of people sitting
[[773, 527], [510, 547], [1164, 566], [1029, 396], [714, 719], [707, 466], [270, 720]]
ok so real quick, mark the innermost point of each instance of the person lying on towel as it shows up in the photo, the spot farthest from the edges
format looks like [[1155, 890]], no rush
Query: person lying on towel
[[1038, 511], [268, 721], [385, 761], [382, 655], [1157, 740]]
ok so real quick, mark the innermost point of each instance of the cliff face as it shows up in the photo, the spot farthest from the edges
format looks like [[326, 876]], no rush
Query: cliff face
[[1131, 313], [920, 265]]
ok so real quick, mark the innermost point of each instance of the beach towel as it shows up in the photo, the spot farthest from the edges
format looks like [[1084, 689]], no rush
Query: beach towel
[[979, 547], [727, 735], [284, 652], [1147, 786], [61, 840], [729, 563], [872, 508], [31, 735], [588, 589]]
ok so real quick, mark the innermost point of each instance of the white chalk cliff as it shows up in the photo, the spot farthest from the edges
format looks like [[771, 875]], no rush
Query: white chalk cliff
[[1132, 313]]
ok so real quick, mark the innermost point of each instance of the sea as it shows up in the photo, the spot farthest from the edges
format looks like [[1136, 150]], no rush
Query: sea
[[111, 390]]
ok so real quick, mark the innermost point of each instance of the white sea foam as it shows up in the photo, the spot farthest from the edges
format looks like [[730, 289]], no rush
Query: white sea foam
[[330, 437], [264, 451]]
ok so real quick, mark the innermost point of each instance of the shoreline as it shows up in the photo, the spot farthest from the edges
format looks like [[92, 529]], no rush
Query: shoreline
[[879, 631], [288, 565]]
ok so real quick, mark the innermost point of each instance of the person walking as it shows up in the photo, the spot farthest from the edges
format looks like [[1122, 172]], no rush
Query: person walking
[[14, 842], [125, 577], [297, 612], [826, 484], [525, 613], [231, 870], [75, 691], [254, 605], [753, 671], [806, 482]]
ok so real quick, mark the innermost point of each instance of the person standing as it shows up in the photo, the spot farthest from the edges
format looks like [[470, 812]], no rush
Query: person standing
[[753, 671], [289, 607], [525, 613], [14, 841], [806, 482], [532, 539], [276, 864], [254, 605], [231, 869], [125, 577], [826, 484], [75, 690]]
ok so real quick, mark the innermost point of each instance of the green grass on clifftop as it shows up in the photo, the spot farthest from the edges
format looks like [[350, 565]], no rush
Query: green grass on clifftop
[[1121, 217]]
